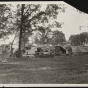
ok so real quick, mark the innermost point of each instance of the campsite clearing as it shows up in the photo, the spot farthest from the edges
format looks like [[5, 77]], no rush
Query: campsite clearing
[[57, 70]]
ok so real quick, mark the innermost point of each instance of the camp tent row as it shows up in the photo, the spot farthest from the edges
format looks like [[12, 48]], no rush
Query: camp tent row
[[34, 48], [71, 49], [79, 50], [76, 49]]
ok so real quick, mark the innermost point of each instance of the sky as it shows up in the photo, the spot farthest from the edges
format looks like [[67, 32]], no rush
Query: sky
[[72, 21]]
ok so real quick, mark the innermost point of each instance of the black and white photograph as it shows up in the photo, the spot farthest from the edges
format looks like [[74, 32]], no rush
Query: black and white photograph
[[43, 43]]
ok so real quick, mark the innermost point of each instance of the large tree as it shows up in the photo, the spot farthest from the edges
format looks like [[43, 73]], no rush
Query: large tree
[[34, 15], [58, 37], [43, 36], [52, 37]]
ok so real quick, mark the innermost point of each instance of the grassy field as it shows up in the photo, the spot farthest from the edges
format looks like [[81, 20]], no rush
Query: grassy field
[[57, 70]]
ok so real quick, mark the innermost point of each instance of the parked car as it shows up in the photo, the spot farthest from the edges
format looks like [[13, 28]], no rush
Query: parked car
[[43, 52]]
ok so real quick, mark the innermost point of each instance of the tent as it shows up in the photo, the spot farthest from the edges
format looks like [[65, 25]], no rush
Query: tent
[[83, 49], [75, 49], [85, 46], [79, 50], [59, 50], [32, 51]]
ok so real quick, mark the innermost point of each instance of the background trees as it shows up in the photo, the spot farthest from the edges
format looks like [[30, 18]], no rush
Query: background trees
[[58, 37], [52, 37], [79, 39]]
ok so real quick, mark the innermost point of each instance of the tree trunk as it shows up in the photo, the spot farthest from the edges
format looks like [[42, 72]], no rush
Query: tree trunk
[[20, 37], [12, 43]]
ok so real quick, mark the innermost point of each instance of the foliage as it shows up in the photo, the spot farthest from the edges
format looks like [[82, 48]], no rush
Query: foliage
[[57, 37], [79, 39], [34, 17], [5, 14]]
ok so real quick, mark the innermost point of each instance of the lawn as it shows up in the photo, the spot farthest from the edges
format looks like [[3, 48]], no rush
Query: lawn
[[57, 70]]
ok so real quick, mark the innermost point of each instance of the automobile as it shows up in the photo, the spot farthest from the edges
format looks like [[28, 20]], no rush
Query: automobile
[[43, 52]]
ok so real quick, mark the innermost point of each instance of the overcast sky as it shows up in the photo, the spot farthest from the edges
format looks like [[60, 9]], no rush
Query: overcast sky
[[71, 19]]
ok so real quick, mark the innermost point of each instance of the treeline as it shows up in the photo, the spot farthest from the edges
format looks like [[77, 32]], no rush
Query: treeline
[[50, 37], [79, 39]]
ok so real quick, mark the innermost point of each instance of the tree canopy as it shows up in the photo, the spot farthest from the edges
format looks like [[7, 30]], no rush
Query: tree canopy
[[5, 14], [52, 37], [79, 39], [34, 18]]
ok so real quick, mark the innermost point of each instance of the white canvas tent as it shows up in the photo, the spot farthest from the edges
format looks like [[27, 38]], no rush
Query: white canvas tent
[[32, 51], [83, 49], [75, 49], [79, 50]]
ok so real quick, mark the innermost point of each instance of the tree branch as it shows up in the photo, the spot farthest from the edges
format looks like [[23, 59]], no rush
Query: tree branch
[[37, 16]]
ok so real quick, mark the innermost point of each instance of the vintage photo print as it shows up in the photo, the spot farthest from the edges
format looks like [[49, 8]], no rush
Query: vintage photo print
[[43, 44]]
